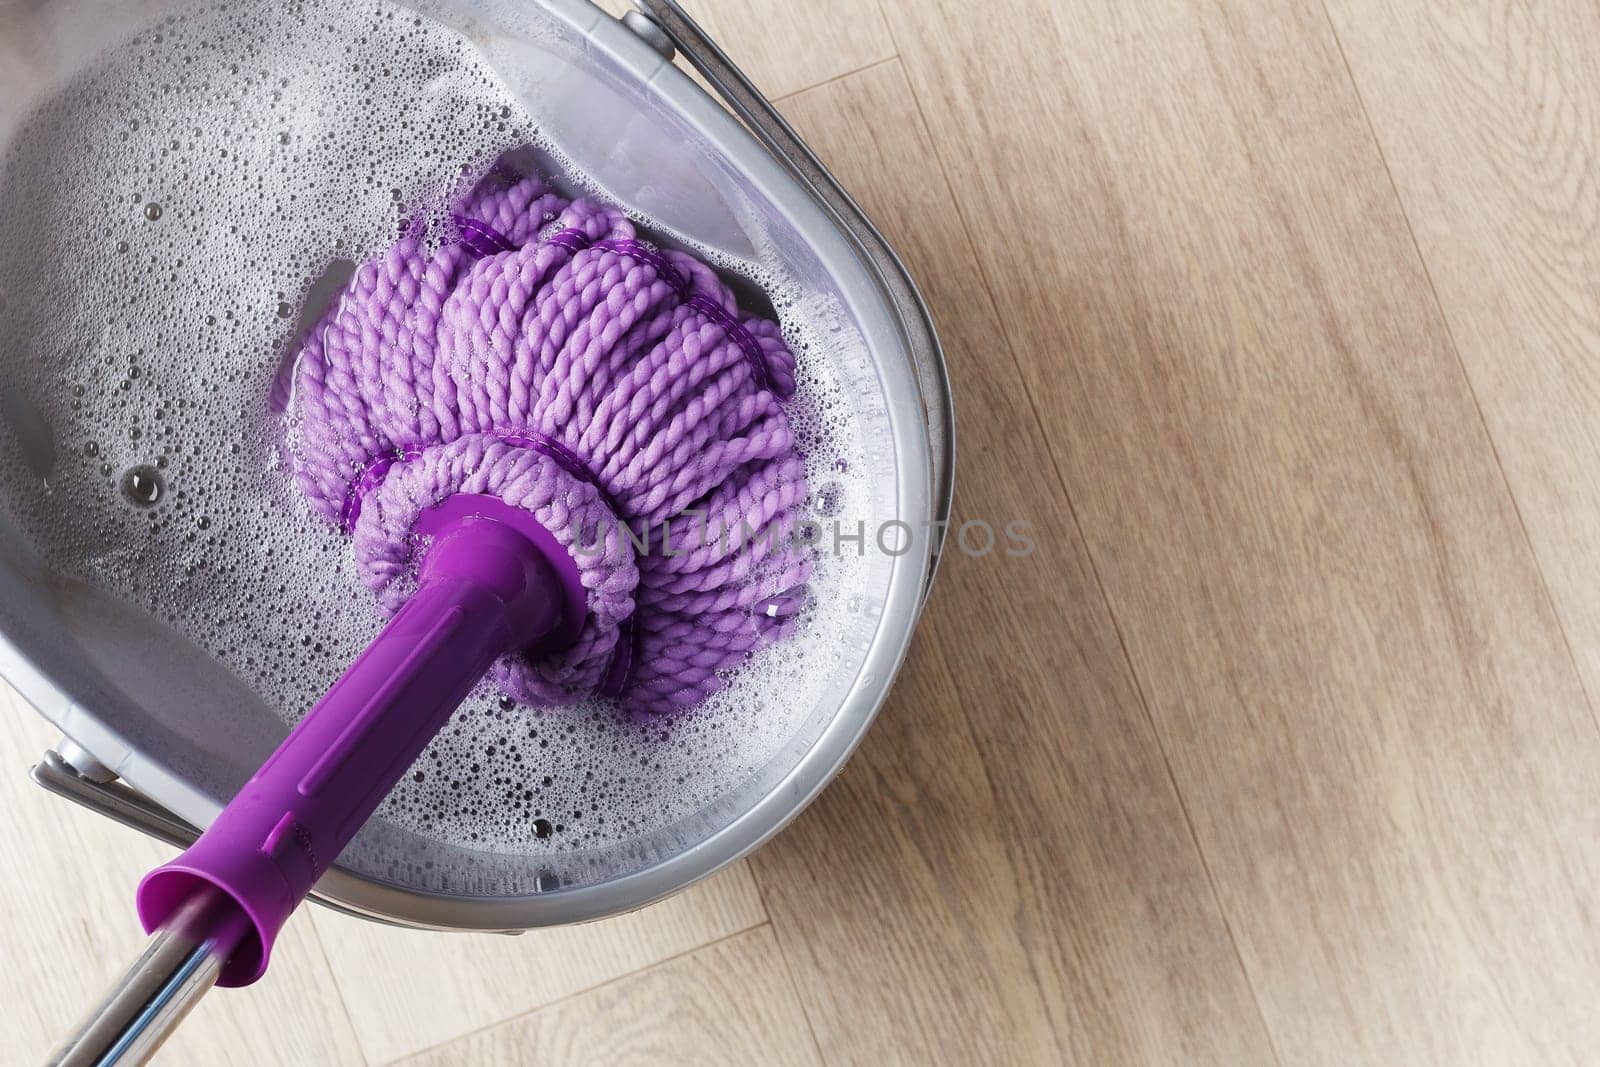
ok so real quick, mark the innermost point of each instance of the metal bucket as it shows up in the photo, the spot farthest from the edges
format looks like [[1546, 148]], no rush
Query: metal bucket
[[138, 702]]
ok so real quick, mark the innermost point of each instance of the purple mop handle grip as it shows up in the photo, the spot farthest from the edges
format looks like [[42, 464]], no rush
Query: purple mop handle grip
[[483, 590]]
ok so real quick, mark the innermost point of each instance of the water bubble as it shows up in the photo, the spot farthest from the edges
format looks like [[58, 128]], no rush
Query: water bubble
[[143, 485], [152, 211], [830, 498]]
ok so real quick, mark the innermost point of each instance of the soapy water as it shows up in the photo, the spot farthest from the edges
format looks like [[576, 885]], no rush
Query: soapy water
[[191, 202]]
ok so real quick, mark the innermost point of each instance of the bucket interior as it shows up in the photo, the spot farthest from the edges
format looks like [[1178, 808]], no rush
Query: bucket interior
[[171, 219]]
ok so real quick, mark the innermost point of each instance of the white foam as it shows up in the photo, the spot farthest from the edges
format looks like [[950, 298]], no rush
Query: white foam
[[182, 196]]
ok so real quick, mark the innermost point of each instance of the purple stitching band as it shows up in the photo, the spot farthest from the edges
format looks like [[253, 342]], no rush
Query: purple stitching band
[[700, 302], [615, 681], [573, 240], [368, 478], [480, 238], [561, 455], [373, 473], [483, 240]]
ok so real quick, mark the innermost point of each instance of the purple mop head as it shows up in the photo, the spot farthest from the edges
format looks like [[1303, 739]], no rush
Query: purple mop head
[[548, 357]]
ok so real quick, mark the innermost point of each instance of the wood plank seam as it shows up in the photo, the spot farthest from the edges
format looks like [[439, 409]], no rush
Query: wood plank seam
[[892, 58], [1044, 968], [788, 966], [1094, 566], [1466, 375], [338, 991], [987, 289], [577, 993]]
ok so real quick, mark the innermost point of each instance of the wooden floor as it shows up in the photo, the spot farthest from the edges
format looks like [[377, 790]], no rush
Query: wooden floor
[[1280, 320]]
